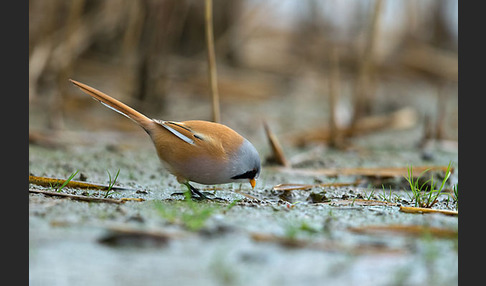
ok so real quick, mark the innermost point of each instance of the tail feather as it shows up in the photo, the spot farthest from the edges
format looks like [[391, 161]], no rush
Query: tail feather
[[115, 105]]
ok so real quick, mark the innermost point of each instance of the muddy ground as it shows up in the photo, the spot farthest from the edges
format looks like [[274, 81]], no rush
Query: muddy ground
[[305, 237]]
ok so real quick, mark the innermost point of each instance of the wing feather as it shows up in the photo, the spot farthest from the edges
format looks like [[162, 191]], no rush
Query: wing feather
[[178, 129]]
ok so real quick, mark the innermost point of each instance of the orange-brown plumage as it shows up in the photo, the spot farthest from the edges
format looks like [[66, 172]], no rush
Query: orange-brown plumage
[[195, 150]]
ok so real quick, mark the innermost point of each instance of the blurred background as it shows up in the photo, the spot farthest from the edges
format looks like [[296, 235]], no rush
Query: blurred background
[[308, 68], [339, 83]]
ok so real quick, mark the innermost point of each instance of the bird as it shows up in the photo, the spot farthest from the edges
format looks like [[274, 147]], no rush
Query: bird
[[198, 151]]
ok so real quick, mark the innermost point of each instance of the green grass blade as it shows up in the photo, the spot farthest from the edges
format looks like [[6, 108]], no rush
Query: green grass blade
[[67, 181]]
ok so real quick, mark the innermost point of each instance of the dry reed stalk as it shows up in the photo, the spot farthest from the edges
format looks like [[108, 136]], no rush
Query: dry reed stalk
[[57, 49], [335, 138], [363, 88], [427, 210], [134, 30], [441, 112], [56, 113], [213, 79]]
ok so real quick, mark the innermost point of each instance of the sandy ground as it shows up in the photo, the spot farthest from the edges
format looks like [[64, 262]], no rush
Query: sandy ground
[[241, 242]]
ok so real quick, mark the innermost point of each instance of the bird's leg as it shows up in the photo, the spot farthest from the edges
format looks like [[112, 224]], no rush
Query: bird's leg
[[194, 191]]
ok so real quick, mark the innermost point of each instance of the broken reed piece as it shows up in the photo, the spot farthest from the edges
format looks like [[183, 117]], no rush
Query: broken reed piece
[[121, 235], [432, 62], [306, 187], [86, 198], [277, 151], [382, 172], [427, 210], [52, 182], [412, 230], [362, 202], [247, 196], [323, 245], [44, 139], [287, 241]]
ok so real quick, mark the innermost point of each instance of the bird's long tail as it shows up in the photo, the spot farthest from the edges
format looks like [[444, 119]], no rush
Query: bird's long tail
[[116, 105]]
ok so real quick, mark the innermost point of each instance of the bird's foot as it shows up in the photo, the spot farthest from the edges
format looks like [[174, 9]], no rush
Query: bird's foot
[[197, 195]]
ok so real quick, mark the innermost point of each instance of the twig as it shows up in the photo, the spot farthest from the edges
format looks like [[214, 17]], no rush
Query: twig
[[417, 210], [85, 198], [213, 79]]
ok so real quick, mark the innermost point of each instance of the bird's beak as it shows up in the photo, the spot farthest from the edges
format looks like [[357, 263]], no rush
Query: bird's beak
[[252, 183]]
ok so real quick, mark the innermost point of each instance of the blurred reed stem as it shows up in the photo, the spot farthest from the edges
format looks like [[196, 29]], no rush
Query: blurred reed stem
[[364, 86], [213, 79]]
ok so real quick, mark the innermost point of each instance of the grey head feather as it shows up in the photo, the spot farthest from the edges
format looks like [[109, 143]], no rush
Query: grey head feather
[[246, 162]]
